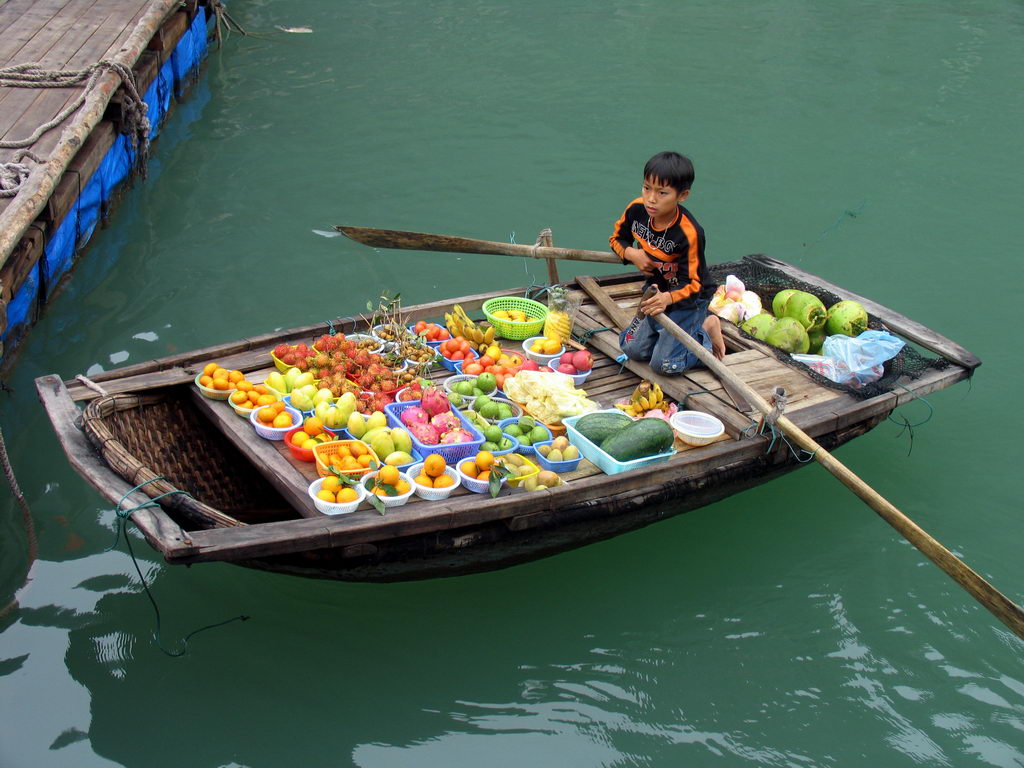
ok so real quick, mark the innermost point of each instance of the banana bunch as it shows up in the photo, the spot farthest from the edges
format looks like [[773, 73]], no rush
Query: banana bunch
[[459, 323], [646, 397]]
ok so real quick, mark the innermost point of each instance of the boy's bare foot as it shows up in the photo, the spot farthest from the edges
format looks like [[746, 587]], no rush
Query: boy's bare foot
[[714, 329]]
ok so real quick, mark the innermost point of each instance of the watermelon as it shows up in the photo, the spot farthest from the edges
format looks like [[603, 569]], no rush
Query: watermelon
[[638, 440], [596, 427]]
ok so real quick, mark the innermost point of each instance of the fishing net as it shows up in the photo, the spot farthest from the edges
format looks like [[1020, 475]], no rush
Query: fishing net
[[910, 362]]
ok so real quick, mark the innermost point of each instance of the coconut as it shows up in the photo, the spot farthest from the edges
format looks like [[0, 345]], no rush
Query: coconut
[[806, 308], [846, 317], [817, 338], [788, 334], [779, 302], [759, 325]]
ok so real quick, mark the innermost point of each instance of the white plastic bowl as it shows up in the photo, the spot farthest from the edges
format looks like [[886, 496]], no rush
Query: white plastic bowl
[[696, 427], [577, 378], [538, 357]]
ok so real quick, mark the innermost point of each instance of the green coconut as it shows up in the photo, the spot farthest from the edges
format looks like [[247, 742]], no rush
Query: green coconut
[[807, 309], [817, 339], [779, 302], [846, 317], [789, 335], [758, 325]]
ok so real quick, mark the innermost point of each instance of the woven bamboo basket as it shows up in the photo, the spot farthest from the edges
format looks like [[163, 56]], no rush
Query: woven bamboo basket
[[144, 437]]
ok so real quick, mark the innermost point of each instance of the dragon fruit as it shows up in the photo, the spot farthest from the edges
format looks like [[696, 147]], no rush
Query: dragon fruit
[[426, 434], [445, 421], [457, 435], [414, 414], [434, 401]]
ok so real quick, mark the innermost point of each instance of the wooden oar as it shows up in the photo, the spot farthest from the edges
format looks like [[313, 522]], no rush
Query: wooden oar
[[421, 241], [995, 601]]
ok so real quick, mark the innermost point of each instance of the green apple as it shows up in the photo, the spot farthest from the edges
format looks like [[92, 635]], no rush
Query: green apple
[[487, 382], [480, 402], [492, 433]]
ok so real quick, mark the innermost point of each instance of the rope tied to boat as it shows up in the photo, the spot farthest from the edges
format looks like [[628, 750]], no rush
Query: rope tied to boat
[[767, 424], [906, 425], [123, 515], [34, 75]]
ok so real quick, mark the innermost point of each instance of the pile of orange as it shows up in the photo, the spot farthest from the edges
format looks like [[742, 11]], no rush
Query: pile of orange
[[274, 415], [312, 432], [215, 377], [479, 467], [334, 491], [349, 456], [248, 395], [389, 476], [433, 474]]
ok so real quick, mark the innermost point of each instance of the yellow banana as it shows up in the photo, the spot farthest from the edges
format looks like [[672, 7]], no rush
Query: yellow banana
[[489, 335]]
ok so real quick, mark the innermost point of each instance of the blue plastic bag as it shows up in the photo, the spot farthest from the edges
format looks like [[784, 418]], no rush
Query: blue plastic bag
[[863, 355]]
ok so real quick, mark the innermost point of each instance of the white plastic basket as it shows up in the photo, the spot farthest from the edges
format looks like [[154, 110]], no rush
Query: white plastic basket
[[577, 378], [433, 494], [389, 501], [330, 508], [274, 433]]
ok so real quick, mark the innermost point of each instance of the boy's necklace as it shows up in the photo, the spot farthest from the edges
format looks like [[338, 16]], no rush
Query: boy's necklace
[[652, 226]]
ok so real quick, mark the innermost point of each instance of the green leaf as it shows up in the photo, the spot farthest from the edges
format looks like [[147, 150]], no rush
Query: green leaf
[[376, 503], [494, 483]]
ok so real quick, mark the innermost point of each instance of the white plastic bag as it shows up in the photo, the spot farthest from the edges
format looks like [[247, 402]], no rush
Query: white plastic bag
[[864, 352]]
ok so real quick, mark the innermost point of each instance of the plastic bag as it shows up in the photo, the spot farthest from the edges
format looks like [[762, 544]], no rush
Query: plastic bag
[[864, 352], [838, 371], [854, 361]]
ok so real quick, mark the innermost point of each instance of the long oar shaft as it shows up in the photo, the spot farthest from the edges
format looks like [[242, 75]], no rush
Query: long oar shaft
[[423, 241], [995, 601]]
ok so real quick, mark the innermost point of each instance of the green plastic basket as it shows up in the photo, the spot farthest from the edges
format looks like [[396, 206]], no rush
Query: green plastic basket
[[510, 329]]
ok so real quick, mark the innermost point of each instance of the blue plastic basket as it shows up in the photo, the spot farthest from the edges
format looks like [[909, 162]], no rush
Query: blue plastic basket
[[526, 450], [558, 467], [450, 452], [602, 460], [455, 365]]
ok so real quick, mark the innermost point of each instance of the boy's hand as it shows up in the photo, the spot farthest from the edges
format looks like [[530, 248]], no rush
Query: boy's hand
[[657, 303], [639, 258]]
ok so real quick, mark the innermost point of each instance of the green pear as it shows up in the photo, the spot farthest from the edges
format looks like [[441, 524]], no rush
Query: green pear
[[356, 425], [277, 381], [403, 441], [304, 378], [376, 419], [323, 395]]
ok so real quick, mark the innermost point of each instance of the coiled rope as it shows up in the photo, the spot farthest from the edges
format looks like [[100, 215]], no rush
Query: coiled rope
[[123, 515], [33, 75]]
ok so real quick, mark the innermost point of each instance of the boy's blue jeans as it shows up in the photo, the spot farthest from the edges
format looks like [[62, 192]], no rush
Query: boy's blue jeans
[[646, 340]]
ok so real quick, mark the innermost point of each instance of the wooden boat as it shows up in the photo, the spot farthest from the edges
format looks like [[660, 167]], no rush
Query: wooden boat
[[247, 500]]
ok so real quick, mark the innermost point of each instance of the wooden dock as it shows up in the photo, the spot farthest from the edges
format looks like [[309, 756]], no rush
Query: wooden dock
[[66, 35]]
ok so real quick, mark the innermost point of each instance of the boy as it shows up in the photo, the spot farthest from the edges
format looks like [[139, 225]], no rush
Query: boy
[[671, 254]]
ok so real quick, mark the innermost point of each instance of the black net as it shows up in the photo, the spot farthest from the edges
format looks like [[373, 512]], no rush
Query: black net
[[766, 282]]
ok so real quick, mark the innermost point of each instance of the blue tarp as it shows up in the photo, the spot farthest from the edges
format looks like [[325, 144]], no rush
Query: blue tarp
[[80, 222]]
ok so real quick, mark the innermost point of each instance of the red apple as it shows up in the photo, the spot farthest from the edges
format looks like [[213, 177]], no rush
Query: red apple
[[583, 360], [566, 368], [566, 358], [530, 365]]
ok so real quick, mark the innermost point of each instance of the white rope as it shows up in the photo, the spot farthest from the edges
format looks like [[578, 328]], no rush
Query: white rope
[[32, 75]]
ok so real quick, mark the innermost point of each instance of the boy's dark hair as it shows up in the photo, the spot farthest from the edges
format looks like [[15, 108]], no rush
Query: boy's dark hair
[[671, 169]]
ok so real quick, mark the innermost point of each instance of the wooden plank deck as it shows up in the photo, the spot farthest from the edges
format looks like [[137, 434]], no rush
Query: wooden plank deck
[[59, 34]]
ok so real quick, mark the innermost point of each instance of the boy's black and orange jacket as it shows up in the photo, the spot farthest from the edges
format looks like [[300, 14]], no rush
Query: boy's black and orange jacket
[[678, 251]]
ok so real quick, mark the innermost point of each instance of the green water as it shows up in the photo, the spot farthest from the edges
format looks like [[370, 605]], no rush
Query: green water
[[875, 144]]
